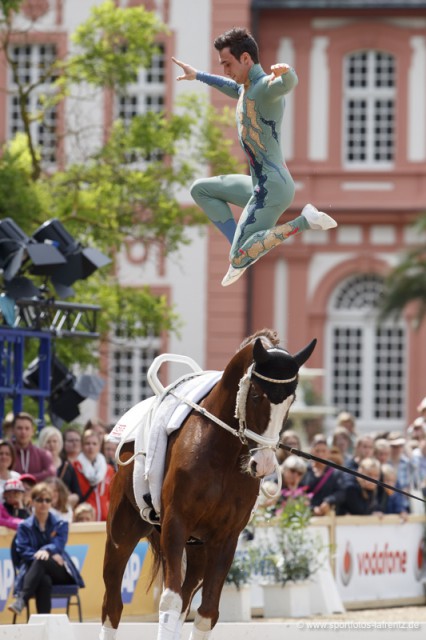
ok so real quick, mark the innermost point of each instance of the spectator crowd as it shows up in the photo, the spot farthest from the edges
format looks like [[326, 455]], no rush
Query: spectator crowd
[[393, 458], [66, 478], [77, 466]]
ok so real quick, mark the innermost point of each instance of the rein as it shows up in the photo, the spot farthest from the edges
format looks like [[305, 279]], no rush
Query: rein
[[352, 472], [243, 434]]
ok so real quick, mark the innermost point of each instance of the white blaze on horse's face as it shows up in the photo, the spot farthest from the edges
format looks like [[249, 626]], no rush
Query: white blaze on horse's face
[[262, 463]]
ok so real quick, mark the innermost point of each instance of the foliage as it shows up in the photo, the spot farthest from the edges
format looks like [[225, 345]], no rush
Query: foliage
[[311, 396], [407, 282], [7, 8], [113, 45], [295, 555], [241, 569]]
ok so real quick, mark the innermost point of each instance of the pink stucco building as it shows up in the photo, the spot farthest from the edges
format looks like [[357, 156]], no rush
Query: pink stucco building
[[354, 139]]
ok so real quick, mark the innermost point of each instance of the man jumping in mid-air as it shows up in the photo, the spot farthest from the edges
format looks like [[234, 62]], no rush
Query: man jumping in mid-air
[[269, 190]]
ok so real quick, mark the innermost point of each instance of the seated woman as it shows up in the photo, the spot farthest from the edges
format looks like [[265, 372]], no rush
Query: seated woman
[[361, 495], [40, 554]]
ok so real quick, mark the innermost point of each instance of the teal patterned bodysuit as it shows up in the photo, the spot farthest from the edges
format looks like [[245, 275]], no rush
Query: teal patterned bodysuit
[[269, 190]]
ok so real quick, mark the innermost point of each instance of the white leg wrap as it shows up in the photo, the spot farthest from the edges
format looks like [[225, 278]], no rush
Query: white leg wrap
[[178, 630], [107, 633], [168, 622], [201, 629], [170, 613]]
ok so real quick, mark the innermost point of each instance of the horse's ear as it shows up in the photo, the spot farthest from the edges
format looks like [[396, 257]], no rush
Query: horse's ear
[[260, 354], [305, 353]]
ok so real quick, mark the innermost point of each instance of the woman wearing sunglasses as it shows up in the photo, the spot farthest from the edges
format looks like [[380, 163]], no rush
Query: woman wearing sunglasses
[[39, 556]]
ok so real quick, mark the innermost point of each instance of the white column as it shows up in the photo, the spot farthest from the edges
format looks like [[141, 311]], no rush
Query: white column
[[319, 87], [416, 112], [281, 299], [286, 54]]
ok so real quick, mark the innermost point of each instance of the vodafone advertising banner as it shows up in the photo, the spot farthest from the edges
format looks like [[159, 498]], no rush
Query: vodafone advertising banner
[[376, 562]]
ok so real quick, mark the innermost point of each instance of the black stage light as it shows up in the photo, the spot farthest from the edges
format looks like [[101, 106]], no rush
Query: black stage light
[[60, 375], [64, 400], [81, 261], [64, 404], [67, 391], [16, 247], [21, 287]]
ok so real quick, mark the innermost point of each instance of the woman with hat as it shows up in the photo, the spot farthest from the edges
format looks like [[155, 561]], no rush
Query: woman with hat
[[13, 497]]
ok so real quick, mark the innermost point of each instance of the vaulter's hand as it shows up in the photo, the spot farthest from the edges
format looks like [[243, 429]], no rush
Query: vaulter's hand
[[189, 73], [278, 70]]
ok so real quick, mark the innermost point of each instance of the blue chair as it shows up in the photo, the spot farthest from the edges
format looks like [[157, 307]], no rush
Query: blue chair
[[68, 592]]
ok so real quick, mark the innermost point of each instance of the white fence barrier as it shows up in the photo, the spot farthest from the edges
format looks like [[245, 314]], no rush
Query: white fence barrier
[[58, 627]]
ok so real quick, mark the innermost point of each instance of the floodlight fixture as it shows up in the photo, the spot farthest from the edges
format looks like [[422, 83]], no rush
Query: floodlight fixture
[[67, 391], [21, 287], [80, 262], [16, 247]]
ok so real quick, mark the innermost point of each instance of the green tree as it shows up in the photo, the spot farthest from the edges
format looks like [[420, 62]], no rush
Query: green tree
[[108, 198], [406, 283]]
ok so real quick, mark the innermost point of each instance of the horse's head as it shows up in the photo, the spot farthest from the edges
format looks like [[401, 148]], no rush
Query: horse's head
[[266, 394]]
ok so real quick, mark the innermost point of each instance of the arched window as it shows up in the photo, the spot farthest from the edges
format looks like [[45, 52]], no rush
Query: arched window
[[366, 366], [369, 110]]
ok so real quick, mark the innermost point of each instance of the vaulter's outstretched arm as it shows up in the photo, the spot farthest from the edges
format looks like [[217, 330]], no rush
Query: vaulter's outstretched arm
[[226, 86]]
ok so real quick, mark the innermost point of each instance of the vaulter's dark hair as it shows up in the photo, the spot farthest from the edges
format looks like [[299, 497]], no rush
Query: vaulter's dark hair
[[239, 41]]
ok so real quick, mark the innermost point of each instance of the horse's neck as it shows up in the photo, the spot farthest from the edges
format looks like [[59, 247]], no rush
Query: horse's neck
[[222, 399]]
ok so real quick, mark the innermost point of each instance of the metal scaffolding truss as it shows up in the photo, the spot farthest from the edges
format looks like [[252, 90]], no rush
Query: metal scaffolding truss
[[61, 319], [12, 351]]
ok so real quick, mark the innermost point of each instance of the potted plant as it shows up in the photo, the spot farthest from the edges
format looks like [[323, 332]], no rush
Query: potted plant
[[289, 559], [235, 605]]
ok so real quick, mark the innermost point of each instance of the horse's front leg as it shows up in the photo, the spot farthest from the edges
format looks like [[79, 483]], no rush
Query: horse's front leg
[[218, 562], [173, 538], [194, 574]]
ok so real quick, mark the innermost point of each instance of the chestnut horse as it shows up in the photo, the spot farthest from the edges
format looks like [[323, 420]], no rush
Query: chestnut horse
[[210, 487]]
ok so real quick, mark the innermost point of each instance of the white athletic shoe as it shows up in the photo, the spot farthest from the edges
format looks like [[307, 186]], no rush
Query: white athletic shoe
[[232, 275], [318, 220]]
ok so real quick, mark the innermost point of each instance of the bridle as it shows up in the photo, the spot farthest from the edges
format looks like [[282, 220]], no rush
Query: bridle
[[243, 432]]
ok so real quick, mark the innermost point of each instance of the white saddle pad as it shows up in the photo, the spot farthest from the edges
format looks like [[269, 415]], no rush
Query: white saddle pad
[[149, 423]]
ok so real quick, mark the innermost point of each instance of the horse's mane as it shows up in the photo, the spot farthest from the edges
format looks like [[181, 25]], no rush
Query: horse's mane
[[270, 335]]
